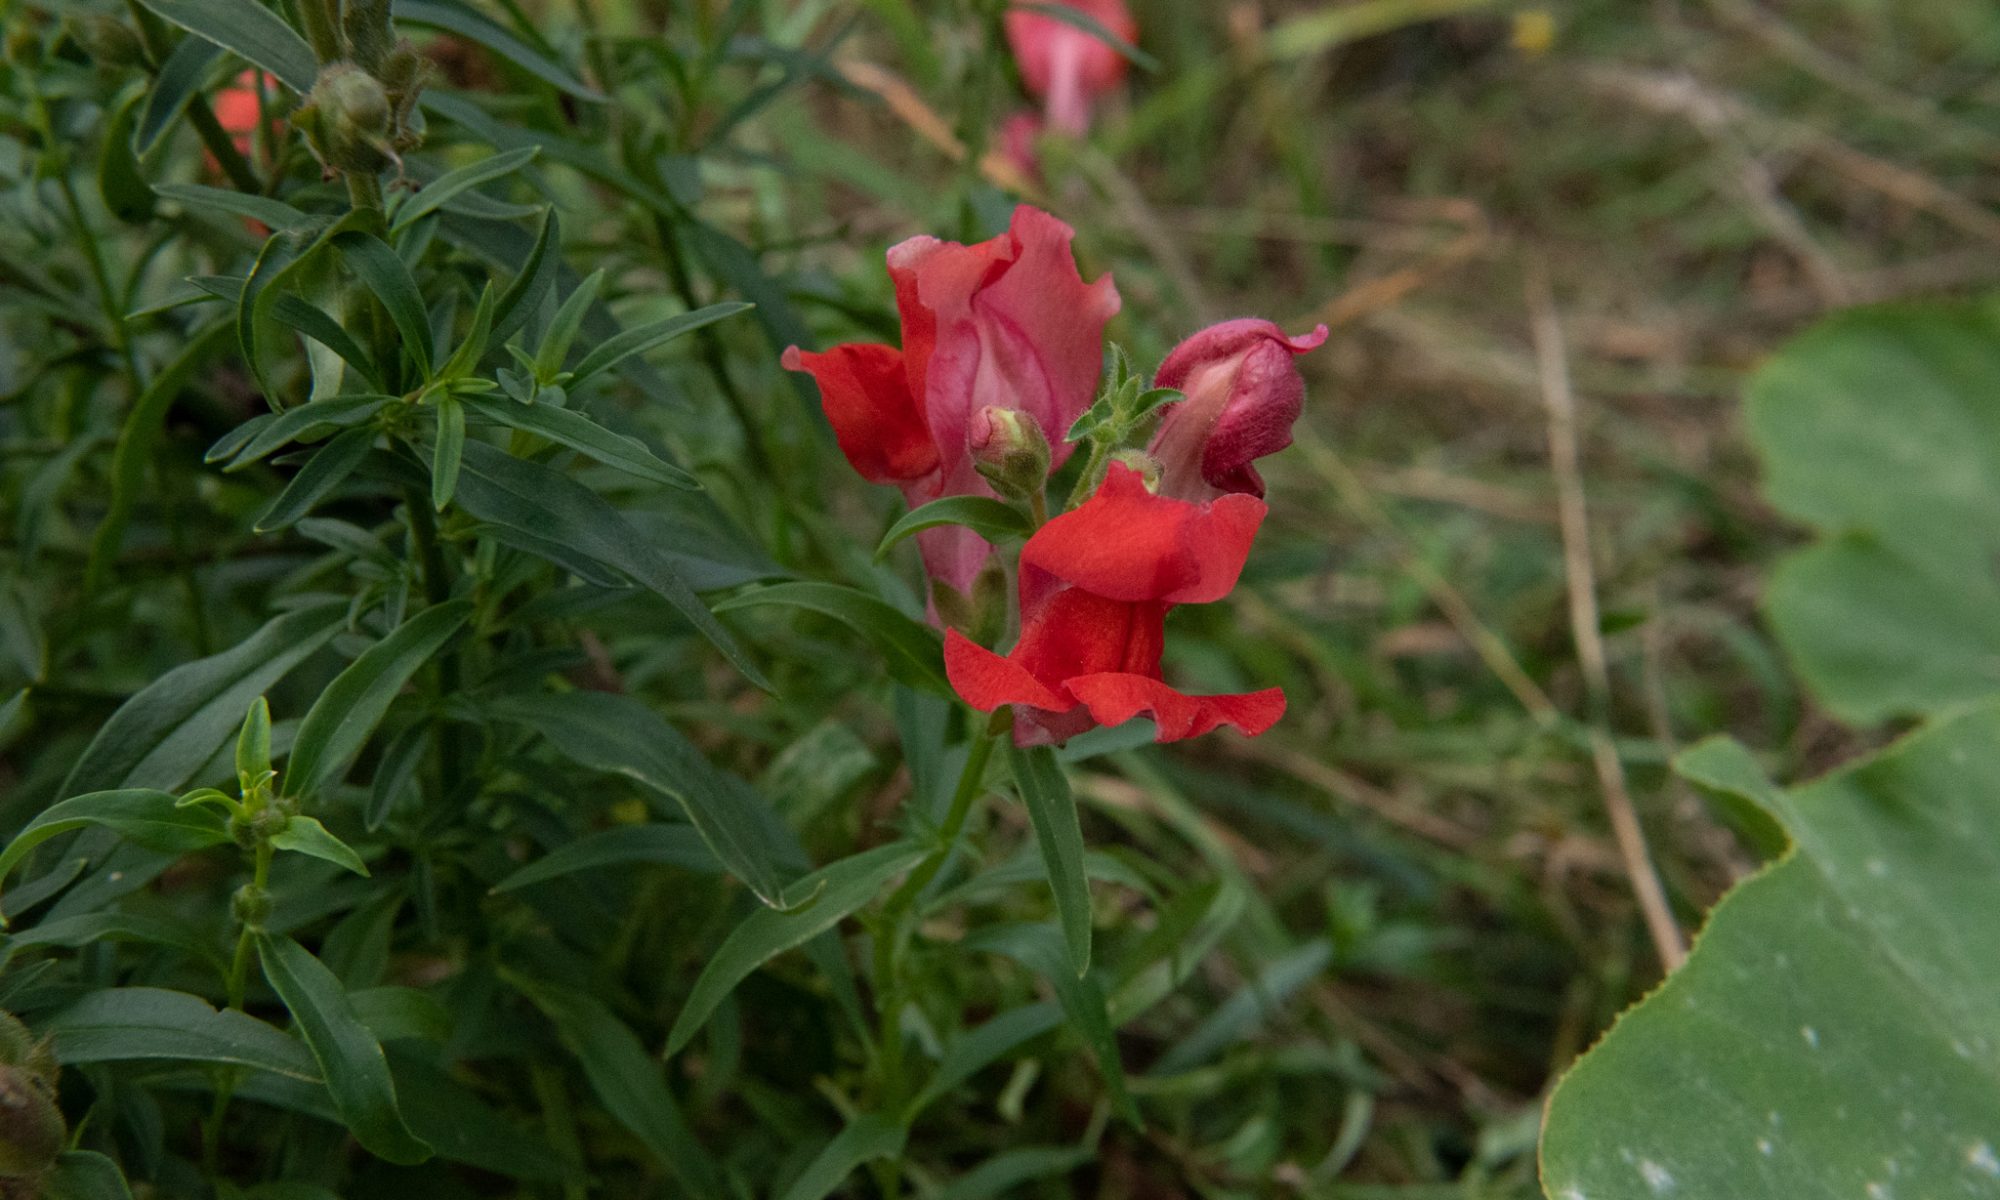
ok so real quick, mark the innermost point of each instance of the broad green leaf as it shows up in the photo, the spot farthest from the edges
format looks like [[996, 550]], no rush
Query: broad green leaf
[[340, 721], [582, 434], [835, 891], [994, 520], [439, 191], [326, 470], [628, 1079], [304, 835], [620, 735], [151, 818], [550, 506], [1880, 428], [137, 1023], [1044, 788], [167, 730], [274, 213], [349, 1058], [449, 452], [179, 80], [1041, 949], [912, 650], [458, 19], [251, 30], [867, 1137], [1832, 1032], [385, 274], [639, 339], [84, 1175], [673, 845]]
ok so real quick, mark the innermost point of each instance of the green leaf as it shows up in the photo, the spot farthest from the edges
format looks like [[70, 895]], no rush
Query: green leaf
[[473, 348], [973, 1050], [325, 471], [912, 650], [1042, 950], [274, 213], [1726, 772], [461, 1128], [1251, 1005], [137, 438], [556, 340], [385, 274], [141, 1023], [628, 1079], [865, 1138], [301, 316], [641, 338], [119, 182], [672, 845], [1044, 788], [1834, 1024], [620, 735], [179, 81], [304, 835], [584, 435], [1005, 1172], [307, 422], [250, 30], [170, 728], [1881, 429], [151, 818], [353, 704], [550, 506], [440, 190], [88, 928], [537, 274], [455, 18], [349, 1057], [449, 451], [84, 1175], [834, 891], [994, 520], [253, 742]]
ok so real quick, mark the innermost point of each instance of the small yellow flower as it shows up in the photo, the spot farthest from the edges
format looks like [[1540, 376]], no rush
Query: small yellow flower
[[1534, 31]]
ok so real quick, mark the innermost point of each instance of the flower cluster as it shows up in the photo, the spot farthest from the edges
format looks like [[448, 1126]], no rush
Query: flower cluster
[[997, 382]]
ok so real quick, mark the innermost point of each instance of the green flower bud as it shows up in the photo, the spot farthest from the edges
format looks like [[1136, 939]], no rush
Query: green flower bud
[[251, 906], [1010, 450], [348, 120], [32, 1131]]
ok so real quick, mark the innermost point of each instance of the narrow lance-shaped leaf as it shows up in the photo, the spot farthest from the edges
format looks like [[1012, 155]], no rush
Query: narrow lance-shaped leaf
[[580, 433], [616, 349], [385, 274], [1052, 810], [438, 192], [449, 451], [152, 818], [349, 1057], [328, 468], [912, 651], [867, 1137], [991, 519], [353, 704], [840, 888], [251, 30]]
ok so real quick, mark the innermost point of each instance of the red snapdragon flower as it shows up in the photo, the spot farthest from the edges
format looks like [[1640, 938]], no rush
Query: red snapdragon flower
[[239, 107], [1063, 66], [1095, 587], [1243, 393], [1007, 323]]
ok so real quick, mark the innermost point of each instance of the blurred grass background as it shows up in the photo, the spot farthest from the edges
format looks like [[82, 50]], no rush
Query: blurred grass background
[[1694, 179]]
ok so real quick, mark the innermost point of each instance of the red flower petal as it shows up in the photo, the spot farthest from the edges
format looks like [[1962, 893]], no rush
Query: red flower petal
[[1066, 66], [987, 681], [867, 399], [1243, 395], [1125, 543], [1115, 698]]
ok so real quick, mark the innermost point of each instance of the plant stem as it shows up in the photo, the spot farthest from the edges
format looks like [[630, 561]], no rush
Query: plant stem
[[239, 966], [890, 933], [1093, 470]]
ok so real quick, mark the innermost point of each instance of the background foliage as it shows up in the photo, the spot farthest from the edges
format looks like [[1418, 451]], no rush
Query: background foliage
[[1347, 959]]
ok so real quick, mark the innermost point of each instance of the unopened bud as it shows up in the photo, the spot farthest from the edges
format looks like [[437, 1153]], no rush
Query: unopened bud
[[251, 906], [107, 40], [32, 1131], [1010, 450], [348, 120]]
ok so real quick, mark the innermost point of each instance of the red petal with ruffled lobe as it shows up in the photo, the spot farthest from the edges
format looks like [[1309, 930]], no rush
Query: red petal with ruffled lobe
[[1243, 396], [1067, 67], [1095, 587], [1128, 544], [877, 422]]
